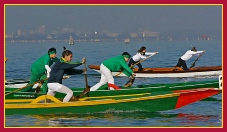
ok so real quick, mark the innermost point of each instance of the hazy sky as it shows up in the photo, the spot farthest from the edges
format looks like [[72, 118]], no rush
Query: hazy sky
[[199, 19]]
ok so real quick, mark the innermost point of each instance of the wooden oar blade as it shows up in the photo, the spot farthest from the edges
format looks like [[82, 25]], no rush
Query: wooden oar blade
[[86, 81], [196, 60], [192, 65], [86, 91], [129, 83]]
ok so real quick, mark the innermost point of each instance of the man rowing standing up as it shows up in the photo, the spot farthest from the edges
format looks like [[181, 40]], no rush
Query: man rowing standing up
[[182, 60], [40, 70], [117, 63], [140, 55], [61, 67]]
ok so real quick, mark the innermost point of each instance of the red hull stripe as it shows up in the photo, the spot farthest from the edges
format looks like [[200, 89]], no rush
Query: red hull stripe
[[190, 96], [113, 86]]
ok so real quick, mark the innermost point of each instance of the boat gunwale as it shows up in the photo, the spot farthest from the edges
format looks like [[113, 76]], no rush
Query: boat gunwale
[[105, 101], [169, 69]]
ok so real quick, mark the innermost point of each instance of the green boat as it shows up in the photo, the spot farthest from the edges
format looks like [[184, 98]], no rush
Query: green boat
[[147, 98], [10, 94]]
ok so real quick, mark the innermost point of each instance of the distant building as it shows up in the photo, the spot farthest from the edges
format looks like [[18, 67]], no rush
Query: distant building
[[205, 37]]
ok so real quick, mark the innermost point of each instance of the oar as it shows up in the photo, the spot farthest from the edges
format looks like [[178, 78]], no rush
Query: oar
[[193, 64], [85, 76], [130, 82], [26, 86], [37, 88], [137, 63], [87, 89]]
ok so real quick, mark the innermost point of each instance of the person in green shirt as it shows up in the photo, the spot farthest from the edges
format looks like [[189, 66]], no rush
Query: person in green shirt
[[117, 63], [40, 70]]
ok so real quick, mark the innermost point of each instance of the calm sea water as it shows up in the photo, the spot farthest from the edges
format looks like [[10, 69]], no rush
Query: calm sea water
[[199, 114]]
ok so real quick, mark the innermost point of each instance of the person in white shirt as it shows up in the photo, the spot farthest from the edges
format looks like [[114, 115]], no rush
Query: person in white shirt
[[182, 60], [140, 55]]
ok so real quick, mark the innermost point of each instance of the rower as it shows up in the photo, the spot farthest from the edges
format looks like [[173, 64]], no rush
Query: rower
[[140, 55], [188, 54]]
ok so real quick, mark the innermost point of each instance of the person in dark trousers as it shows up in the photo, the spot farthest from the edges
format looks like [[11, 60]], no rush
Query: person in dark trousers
[[188, 54], [140, 55]]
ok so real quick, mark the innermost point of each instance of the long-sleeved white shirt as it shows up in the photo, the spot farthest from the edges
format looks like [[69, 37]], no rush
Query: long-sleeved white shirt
[[189, 54], [48, 70], [139, 56]]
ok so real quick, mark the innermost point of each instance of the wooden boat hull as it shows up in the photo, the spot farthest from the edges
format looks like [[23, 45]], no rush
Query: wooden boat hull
[[170, 72], [112, 102]]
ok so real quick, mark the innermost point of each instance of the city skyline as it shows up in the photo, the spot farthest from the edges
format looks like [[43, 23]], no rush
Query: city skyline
[[199, 19]]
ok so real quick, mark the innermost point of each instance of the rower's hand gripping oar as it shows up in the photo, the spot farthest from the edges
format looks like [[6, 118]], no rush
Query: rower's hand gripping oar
[[193, 64]]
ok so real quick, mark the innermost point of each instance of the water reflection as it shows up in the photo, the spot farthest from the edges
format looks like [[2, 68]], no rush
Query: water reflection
[[133, 120], [138, 119]]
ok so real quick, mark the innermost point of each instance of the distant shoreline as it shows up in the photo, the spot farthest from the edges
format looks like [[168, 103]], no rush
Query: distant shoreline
[[95, 41]]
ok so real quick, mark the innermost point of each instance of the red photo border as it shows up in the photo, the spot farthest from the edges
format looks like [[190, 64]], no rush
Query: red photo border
[[3, 2]]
